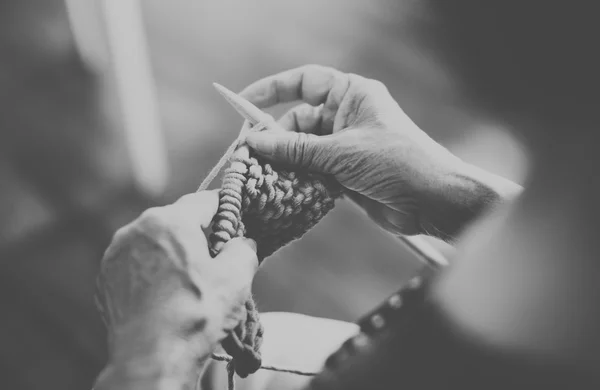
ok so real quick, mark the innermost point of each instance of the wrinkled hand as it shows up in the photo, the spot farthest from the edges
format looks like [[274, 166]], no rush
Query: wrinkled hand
[[160, 291], [352, 128]]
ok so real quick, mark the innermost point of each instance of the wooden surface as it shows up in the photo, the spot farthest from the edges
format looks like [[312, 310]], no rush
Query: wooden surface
[[64, 171]]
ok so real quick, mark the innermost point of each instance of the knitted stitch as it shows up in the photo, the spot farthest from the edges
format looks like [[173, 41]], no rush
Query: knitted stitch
[[273, 206]]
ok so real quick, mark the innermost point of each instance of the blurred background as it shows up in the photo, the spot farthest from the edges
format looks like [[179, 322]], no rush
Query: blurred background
[[107, 108]]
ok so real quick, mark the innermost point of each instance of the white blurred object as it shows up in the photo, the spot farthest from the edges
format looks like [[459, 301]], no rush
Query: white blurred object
[[89, 32], [111, 38], [494, 149], [426, 251]]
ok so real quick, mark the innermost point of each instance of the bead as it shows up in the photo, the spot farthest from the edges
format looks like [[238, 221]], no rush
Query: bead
[[414, 283], [361, 340], [395, 301], [377, 321]]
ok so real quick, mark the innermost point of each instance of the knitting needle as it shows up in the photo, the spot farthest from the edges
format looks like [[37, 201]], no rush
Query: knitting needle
[[249, 111], [424, 251]]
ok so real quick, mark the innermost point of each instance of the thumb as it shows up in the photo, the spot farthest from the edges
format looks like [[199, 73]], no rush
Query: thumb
[[238, 257], [298, 149]]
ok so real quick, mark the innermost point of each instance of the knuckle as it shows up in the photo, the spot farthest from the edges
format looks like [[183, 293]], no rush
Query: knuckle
[[356, 80], [300, 149], [121, 233], [370, 85], [314, 68], [283, 149], [304, 109], [376, 83], [321, 69], [377, 86], [310, 67], [155, 217], [119, 238]]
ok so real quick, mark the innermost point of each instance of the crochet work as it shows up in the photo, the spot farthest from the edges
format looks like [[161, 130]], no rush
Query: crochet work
[[273, 206]]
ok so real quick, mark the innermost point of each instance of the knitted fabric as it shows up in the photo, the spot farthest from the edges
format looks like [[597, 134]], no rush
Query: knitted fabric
[[273, 206]]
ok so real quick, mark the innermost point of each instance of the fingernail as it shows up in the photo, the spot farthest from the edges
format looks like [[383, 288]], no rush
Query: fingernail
[[261, 142]]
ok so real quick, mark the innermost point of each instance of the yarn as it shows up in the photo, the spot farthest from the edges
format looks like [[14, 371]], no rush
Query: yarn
[[224, 358], [231, 370], [273, 205], [269, 204]]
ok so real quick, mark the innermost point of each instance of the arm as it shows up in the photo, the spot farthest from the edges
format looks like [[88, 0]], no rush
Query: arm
[[157, 360], [353, 129]]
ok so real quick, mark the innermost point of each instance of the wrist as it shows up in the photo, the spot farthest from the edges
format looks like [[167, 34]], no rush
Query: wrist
[[465, 193], [117, 378], [161, 365]]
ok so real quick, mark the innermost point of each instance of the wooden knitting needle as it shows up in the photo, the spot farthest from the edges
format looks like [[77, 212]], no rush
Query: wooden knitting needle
[[249, 111], [423, 250]]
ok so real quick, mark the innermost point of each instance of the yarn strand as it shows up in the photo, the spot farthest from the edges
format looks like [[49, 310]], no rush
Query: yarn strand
[[227, 358], [231, 375], [231, 370]]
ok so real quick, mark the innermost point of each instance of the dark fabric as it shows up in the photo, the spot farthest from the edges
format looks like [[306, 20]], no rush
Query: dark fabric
[[420, 349]]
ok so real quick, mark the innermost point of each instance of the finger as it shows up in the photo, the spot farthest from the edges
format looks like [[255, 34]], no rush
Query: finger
[[238, 257], [298, 149], [312, 83], [303, 119], [198, 208]]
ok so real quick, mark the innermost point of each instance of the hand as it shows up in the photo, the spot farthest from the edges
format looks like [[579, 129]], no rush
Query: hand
[[167, 303], [352, 128]]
